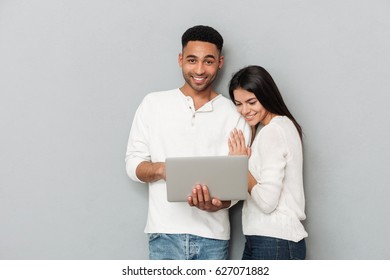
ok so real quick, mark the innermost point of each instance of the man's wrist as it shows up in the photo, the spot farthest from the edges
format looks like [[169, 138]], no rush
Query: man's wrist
[[160, 170], [150, 171]]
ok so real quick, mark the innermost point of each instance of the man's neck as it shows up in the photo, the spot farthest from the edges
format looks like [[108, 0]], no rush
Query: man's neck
[[199, 97]]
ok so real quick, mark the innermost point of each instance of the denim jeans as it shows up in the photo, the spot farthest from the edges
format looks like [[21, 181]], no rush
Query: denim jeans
[[186, 247], [270, 248]]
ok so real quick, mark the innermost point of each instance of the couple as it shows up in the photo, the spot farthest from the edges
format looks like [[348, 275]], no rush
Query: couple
[[194, 120]]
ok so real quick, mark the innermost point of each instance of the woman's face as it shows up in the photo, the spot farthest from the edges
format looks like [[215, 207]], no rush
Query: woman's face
[[250, 108]]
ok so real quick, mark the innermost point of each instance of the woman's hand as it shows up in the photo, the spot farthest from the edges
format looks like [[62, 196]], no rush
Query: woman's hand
[[237, 145]]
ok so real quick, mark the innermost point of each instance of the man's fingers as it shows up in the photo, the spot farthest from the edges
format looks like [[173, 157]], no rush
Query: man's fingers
[[206, 194], [199, 195], [194, 197]]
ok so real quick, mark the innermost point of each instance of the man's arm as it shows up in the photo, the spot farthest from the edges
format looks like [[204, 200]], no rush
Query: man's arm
[[150, 171]]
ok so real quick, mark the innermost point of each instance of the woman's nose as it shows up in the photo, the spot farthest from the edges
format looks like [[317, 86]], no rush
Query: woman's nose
[[244, 109]]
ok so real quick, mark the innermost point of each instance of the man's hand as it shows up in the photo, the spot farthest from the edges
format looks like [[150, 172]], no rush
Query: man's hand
[[201, 199]]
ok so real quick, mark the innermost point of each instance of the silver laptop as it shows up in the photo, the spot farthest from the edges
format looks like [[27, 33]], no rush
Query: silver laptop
[[225, 176]]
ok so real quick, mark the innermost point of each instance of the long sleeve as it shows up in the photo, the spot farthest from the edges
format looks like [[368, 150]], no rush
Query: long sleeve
[[137, 146], [269, 170], [276, 205]]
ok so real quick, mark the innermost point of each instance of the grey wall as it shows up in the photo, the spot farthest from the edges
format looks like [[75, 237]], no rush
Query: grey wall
[[73, 72]]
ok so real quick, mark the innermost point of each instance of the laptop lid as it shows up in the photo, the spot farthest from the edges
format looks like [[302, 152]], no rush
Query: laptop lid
[[225, 176]]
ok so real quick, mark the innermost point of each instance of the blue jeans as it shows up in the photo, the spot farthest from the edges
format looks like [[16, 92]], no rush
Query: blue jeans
[[270, 248], [186, 247]]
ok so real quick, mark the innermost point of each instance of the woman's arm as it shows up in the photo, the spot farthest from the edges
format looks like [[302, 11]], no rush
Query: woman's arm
[[271, 151]]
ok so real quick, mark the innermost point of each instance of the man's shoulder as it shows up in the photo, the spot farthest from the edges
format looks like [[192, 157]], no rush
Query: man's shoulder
[[160, 97], [162, 93], [225, 102], [223, 98]]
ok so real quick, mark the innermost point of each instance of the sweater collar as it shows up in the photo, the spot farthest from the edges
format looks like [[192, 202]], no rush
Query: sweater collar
[[208, 107]]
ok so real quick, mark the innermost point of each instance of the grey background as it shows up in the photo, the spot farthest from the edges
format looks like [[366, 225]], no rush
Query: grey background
[[72, 74]]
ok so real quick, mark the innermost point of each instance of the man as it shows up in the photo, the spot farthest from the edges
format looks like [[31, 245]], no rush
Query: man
[[192, 120]]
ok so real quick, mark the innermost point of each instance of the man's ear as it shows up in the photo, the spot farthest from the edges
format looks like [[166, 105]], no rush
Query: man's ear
[[180, 60], [221, 61]]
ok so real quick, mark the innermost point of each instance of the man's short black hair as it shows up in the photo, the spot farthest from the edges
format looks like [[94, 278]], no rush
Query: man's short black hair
[[204, 34]]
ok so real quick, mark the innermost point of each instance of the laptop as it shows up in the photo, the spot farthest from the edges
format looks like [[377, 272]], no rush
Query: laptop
[[225, 176]]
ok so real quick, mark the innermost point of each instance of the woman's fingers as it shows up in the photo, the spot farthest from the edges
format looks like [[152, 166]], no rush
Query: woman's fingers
[[236, 143]]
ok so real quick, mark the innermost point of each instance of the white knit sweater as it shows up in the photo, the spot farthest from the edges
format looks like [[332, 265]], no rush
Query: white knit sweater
[[166, 125], [276, 205]]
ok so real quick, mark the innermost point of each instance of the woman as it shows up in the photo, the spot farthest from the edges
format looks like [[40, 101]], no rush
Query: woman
[[273, 212]]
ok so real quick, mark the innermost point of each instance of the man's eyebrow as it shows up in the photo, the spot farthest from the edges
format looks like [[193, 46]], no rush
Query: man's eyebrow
[[191, 56], [209, 56], [194, 56]]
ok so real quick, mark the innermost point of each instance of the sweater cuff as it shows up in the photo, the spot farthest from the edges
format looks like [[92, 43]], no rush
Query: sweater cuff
[[131, 167]]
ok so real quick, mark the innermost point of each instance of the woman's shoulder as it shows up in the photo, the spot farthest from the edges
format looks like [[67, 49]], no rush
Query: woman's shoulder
[[276, 125], [282, 130], [279, 124], [275, 131]]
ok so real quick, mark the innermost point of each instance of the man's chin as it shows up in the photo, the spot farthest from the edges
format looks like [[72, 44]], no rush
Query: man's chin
[[200, 87]]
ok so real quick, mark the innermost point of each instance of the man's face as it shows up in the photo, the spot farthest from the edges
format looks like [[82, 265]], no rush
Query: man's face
[[200, 62]]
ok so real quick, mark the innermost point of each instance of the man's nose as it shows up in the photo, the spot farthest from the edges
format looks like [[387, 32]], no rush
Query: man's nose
[[199, 68]]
